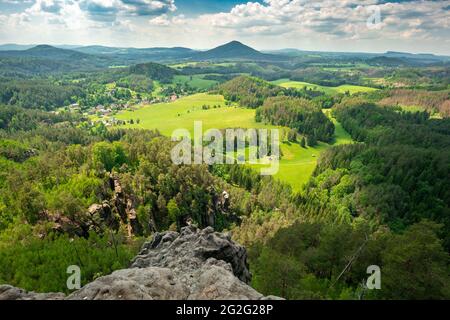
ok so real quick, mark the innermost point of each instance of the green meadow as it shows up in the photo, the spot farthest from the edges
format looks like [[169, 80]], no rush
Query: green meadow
[[297, 163], [194, 81], [286, 83], [167, 117]]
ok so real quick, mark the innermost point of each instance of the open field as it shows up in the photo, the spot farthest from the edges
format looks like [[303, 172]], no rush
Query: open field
[[414, 109], [195, 81], [297, 163], [286, 83], [167, 117]]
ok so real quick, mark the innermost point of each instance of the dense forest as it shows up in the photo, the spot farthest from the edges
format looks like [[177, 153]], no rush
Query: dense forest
[[385, 197], [299, 114], [251, 92]]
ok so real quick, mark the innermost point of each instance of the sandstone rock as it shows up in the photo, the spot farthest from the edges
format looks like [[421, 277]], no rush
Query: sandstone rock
[[12, 293], [191, 265]]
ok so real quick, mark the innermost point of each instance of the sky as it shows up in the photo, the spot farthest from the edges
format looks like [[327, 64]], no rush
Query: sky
[[418, 26]]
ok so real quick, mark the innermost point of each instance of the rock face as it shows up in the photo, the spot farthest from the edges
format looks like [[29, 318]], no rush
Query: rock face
[[12, 293], [191, 265]]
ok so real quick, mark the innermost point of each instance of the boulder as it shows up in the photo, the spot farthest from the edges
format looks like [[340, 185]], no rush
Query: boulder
[[191, 265]]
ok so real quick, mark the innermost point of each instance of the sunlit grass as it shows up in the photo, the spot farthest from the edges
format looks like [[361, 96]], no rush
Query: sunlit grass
[[286, 83], [297, 163]]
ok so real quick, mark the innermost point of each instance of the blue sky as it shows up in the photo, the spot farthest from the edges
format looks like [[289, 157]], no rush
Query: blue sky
[[326, 25], [195, 7]]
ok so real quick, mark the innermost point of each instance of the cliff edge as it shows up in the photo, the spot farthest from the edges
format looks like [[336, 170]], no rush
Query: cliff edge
[[191, 265]]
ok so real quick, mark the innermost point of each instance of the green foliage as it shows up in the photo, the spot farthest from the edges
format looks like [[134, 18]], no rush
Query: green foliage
[[135, 82], [14, 150], [249, 92], [173, 211], [154, 71], [323, 261], [38, 94], [79, 192], [397, 178], [108, 155], [299, 114], [415, 266], [41, 264]]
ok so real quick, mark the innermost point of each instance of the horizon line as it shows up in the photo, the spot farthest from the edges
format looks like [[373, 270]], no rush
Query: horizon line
[[205, 49]]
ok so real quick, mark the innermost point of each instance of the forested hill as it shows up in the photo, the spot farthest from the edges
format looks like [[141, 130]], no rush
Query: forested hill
[[153, 71], [46, 60], [250, 92], [236, 50], [139, 55], [50, 93], [47, 52]]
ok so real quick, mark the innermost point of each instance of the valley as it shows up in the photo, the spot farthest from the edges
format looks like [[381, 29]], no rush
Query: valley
[[297, 163], [86, 175]]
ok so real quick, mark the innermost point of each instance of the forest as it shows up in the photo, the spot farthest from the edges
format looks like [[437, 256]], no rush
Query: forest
[[299, 114]]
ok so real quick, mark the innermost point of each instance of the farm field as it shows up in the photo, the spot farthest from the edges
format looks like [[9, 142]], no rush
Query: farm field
[[297, 163], [286, 83]]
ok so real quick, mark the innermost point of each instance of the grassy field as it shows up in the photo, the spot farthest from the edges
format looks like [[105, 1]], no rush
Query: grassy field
[[195, 81], [286, 83], [297, 163], [167, 117]]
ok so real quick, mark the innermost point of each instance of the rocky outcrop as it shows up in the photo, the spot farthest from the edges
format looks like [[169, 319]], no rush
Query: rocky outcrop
[[12, 293], [118, 210], [191, 265]]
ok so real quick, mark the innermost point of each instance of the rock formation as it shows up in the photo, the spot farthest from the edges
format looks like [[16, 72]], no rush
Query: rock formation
[[191, 265]]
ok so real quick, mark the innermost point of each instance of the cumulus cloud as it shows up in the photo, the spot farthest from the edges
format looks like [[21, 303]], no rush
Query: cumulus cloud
[[149, 7], [287, 22], [102, 10], [344, 19]]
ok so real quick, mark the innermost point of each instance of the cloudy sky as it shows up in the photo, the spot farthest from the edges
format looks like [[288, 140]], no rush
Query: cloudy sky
[[326, 25]]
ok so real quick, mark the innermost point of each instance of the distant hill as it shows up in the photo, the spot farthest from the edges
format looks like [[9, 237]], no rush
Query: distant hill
[[45, 59], [47, 52], [386, 61], [235, 50], [137, 55], [422, 57], [13, 46], [154, 71]]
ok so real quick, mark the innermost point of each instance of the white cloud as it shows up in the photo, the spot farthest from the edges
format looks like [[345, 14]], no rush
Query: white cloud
[[319, 24]]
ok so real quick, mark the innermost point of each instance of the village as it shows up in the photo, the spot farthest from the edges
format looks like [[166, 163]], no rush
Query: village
[[105, 113]]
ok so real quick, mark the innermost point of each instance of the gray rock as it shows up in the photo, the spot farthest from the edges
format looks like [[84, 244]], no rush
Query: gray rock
[[12, 293], [191, 265]]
